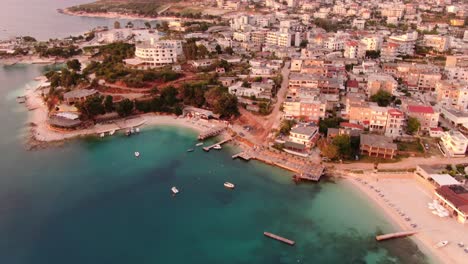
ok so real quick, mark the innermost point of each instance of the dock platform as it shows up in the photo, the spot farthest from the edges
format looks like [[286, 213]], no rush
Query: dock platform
[[211, 133], [304, 171], [279, 238], [208, 148], [395, 235]]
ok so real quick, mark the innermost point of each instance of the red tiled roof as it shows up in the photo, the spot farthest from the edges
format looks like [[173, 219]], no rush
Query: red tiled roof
[[436, 129], [352, 43], [395, 112], [420, 109], [459, 200], [351, 125], [352, 83]]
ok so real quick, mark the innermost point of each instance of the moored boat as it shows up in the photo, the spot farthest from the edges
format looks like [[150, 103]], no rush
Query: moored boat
[[137, 130], [190, 150], [137, 154], [442, 244], [174, 190], [217, 146], [112, 132], [102, 135], [199, 144], [229, 185]]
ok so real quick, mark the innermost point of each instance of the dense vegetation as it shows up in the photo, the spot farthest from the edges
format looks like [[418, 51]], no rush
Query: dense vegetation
[[58, 51], [382, 98], [140, 7]]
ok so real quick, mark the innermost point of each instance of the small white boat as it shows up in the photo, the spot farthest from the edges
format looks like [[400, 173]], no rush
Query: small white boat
[[174, 190], [190, 150], [137, 154], [112, 133], [137, 130], [102, 135], [435, 212], [217, 146], [442, 244], [461, 244], [132, 130], [229, 185], [199, 144]]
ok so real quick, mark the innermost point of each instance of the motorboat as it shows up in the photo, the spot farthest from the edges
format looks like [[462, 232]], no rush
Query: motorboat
[[174, 190], [137, 130], [128, 132], [461, 244], [442, 244], [229, 185], [190, 150], [199, 144], [102, 135], [132, 130], [137, 154], [112, 133], [217, 146]]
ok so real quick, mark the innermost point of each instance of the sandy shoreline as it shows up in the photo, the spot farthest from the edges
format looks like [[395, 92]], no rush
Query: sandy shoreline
[[113, 15], [399, 200]]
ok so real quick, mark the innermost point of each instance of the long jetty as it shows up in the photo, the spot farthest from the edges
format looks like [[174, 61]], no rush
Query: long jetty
[[208, 148], [279, 238], [395, 235]]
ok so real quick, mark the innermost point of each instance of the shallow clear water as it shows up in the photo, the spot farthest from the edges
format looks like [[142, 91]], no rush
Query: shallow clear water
[[92, 201], [40, 19]]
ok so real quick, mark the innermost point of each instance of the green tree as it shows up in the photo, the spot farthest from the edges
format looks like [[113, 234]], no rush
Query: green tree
[[109, 103], [286, 126], [373, 54], [116, 24], [325, 124], [91, 107], [74, 65], [147, 25], [229, 50], [125, 107], [413, 125], [226, 106], [343, 144], [383, 98], [303, 43], [327, 150], [218, 49], [169, 96]]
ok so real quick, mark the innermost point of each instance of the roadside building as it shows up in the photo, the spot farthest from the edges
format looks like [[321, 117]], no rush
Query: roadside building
[[454, 143], [151, 54], [455, 197], [378, 146], [385, 82]]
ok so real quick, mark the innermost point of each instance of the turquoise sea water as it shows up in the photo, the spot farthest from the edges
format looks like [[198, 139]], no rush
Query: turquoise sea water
[[92, 201]]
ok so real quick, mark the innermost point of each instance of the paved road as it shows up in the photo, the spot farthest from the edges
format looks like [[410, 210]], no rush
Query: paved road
[[408, 163]]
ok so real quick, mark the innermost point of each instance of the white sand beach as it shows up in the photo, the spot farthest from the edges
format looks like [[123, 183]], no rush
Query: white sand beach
[[404, 202]]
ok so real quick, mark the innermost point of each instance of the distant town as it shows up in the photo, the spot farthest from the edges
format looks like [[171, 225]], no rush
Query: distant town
[[311, 85]]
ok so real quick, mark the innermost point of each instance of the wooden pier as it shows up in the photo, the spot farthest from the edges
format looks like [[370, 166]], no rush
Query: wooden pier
[[279, 238], [208, 148], [310, 172], [211, 133], [395, 235]]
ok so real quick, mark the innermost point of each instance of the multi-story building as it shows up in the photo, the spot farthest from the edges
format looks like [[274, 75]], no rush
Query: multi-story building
[[372, 42], [377, 146], [385, 82], [354, 50], [456, 61], [406, 42], [310, 107], [452, 94], [438, 43], [457, 73], [396, 123], [454, 143], [153, 53], [389, 51], [426, 116], [276, 38]]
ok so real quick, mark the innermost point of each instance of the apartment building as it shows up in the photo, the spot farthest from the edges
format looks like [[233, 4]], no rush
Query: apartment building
[[438, 43], [426, 116], [454, 143], [380, 81], [452, 94]]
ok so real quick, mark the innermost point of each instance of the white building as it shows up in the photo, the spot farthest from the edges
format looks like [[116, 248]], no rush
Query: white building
[[372, 43], [454, 143], [153, 53]]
